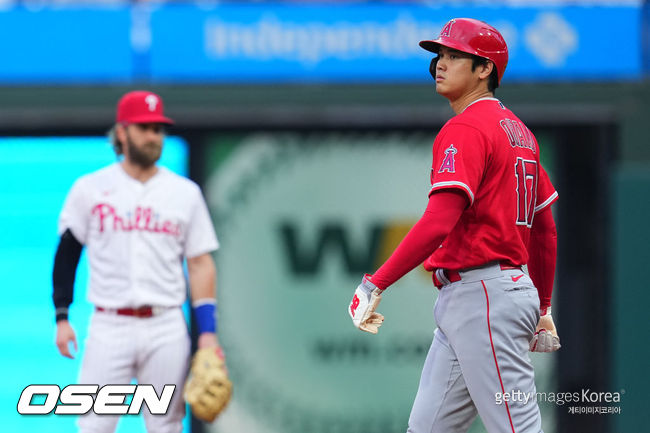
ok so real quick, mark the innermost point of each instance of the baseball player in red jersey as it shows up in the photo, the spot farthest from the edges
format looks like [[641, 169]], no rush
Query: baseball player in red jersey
[[138, 222], [488, 215]]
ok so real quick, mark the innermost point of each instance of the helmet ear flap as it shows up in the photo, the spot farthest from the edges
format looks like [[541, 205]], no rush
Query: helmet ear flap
[[432, 66]]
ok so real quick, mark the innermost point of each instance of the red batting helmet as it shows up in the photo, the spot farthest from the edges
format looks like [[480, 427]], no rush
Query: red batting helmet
[[474, 37], [141, 106]]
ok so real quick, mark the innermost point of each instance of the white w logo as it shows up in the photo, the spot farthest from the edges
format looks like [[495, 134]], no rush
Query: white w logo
[[152, 102]]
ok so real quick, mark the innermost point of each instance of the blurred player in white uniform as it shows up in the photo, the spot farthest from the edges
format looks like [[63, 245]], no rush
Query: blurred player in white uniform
[[138, 222]]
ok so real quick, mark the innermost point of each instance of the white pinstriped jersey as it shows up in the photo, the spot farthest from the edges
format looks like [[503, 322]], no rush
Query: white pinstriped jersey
[[137, 234]]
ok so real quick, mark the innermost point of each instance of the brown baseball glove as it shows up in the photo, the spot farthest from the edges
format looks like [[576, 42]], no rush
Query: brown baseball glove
[[208, 389]]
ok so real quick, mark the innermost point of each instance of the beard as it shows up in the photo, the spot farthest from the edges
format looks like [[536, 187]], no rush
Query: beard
[[146, 155]]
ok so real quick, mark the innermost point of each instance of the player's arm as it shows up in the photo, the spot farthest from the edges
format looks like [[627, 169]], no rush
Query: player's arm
[[542, 255], [460, 154], [442, 213], [202, 274], [63, 276]]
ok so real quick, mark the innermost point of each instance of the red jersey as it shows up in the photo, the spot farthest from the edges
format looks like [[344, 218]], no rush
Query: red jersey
[[490, 155]]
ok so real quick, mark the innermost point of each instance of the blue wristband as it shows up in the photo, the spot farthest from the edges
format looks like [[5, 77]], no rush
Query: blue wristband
[[206, 317]]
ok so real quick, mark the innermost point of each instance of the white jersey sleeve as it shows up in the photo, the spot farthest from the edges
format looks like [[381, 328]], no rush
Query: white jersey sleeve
[[75, 212], [201, 237]]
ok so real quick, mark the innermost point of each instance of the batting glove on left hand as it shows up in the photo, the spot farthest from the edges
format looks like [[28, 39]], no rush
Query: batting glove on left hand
[[362, 307], [545, 338]]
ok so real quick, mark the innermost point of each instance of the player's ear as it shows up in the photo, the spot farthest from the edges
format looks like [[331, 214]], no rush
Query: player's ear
[[485, 69], [119, 137], [120, 132]]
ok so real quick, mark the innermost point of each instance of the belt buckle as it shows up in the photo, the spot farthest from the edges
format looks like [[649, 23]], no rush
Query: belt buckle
[[440, 279]]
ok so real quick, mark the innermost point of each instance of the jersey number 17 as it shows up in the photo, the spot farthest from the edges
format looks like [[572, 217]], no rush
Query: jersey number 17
[[526, 174]]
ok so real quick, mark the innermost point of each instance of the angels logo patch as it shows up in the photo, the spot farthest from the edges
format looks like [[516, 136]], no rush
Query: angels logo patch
[[449, 164], [446, 30]]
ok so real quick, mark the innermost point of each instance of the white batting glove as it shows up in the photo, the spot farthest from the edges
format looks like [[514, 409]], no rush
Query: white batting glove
[[362, 307], [545, 338]]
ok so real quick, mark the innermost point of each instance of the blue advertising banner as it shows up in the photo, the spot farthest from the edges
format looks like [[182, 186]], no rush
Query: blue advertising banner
[[277, 42], [48, 46], [379, 43]]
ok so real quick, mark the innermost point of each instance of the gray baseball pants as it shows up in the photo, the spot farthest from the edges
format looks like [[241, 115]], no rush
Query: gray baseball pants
[[479, 354]]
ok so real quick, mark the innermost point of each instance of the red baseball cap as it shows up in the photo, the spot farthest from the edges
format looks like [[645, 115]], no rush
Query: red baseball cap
[[141, 106]]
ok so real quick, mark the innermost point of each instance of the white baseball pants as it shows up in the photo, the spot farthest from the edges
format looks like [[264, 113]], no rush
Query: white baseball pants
[[152, 350]]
